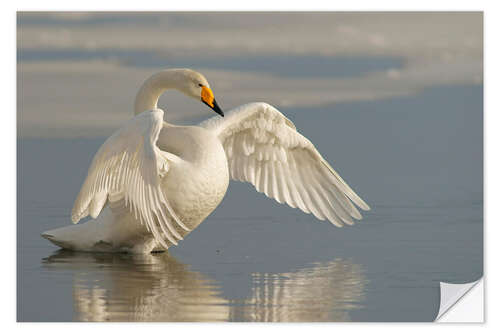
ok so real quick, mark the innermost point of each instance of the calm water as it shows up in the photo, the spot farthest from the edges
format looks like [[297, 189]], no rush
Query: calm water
[[416, 160], [285, 65]]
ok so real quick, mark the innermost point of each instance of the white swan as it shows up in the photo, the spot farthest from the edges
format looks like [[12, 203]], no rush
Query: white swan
[[152, 182]]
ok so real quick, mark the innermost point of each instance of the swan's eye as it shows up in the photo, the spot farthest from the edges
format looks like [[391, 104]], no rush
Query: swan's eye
[[200, 85]]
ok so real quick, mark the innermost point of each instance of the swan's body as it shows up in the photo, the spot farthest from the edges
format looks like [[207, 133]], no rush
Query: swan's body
[[151, 182]]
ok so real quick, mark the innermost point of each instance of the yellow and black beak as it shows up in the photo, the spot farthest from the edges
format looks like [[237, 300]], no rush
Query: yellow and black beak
[[207, 97]]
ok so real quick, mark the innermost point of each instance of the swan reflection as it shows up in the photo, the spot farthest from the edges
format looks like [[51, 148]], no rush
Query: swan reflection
[[324, 292], [121, 287]]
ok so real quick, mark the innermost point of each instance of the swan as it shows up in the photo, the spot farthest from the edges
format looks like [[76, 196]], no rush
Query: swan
[[151, 183]]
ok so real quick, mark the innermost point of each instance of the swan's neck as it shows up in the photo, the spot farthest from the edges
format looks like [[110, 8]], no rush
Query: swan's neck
[[152, 88]]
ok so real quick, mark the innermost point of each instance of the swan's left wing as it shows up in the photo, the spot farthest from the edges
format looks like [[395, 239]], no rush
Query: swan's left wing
[[128, 166], [264, 148]]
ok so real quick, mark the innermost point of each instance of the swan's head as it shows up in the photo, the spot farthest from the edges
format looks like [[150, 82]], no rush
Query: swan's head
[[187, 81], [194, 84]]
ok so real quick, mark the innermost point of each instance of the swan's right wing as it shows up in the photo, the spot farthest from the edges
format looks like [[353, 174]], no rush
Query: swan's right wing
[[129, 166], [264, 148]]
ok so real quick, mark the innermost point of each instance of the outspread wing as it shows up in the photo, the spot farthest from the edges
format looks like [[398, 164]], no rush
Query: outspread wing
[[128, 166], [264, 148]]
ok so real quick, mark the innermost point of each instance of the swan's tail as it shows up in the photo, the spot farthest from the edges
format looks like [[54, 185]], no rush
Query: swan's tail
[[106, 233], [80, 237], [92, 236]]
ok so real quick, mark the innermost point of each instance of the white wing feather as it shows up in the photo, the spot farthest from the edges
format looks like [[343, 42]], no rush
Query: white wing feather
[[127, 167], [264, 148]]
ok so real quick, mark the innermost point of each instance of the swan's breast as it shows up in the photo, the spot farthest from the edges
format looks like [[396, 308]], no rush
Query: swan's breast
[[196, 187]]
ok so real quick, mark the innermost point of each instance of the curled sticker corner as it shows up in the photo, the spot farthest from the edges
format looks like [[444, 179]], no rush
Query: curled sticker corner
[[451, 293]]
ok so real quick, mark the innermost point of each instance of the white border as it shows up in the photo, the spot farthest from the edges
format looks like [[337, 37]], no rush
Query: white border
[[256, 5], [492, 165]]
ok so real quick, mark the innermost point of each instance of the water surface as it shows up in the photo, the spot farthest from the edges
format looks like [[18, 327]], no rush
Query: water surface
[[284, 65], [416, 160]]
